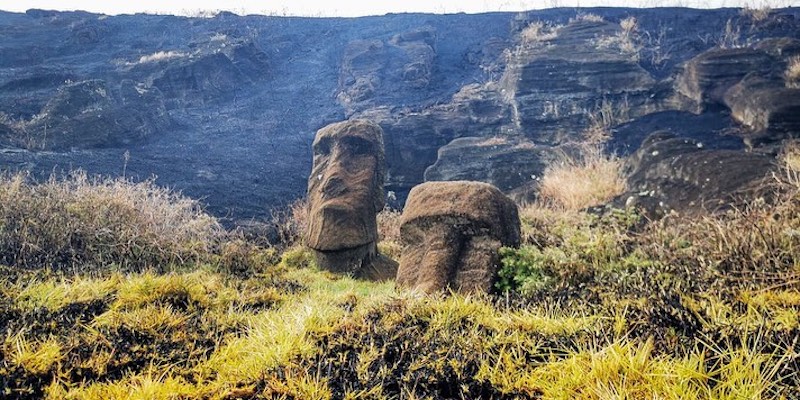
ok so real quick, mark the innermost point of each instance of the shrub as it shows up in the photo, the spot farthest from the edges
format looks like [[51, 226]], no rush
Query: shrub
[[243, 257], [731, 37], [523, 270], [790, 160], [291, 223], [627, 39], [654, 47], [757, 14], [82, 221], [537, 32], [589, 179], [568, 249], [605, 116]]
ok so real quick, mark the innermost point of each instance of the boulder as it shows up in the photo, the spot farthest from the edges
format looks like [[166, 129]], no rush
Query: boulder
[[706, 77], [713, 130], [766, 107], [506, 163], [677, 173], [345, 192], [451, 233]]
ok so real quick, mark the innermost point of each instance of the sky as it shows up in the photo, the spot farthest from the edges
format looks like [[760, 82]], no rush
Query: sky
[[351, 8]]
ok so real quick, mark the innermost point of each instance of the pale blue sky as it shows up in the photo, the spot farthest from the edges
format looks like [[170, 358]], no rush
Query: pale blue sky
[[358, 8]]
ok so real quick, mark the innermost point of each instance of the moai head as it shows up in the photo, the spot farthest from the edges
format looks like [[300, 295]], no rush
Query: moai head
[[451, 233], [345, 192]]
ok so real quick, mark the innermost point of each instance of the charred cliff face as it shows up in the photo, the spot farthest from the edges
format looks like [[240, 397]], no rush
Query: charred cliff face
[[225, 108]]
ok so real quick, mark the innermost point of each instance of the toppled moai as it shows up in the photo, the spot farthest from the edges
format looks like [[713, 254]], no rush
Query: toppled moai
[[451, 233], [345, 193]]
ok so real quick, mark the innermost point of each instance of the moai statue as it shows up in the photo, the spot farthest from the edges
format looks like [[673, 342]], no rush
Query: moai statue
[[345, 193], [451, 233]]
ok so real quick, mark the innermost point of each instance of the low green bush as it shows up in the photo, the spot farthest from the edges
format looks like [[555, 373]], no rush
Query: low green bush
[[568, 248]]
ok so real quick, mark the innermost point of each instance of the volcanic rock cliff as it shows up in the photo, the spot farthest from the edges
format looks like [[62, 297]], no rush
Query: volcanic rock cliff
[[225, 108]]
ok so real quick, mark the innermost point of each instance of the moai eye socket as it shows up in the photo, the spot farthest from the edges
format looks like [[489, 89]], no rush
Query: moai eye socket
[[357, 146], [322, 147]]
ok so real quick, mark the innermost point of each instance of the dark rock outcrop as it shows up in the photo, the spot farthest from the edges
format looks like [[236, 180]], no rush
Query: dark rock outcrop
[[707, 77], [451, 233], [206, 77], [345, 192], [672, 173], [779, 47], [370, 67], [507, 164], [556, 80], [89, 114], [714, 130], [224, 108], [766, 107], [413, 139], [751, 83]]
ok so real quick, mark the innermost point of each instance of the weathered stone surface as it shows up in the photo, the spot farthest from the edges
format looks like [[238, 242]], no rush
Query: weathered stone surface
[[245, 94], [711, 129], [413, 138], [208, 76], [345, 192], [451, 233], [672, 173], [780, 47], [707, 77], [370, 67], [766, 107], [89, 114], [507, 164], [558, 80], [249, 59]]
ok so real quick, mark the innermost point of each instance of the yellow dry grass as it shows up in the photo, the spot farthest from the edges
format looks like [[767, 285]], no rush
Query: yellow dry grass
[[575, 183]]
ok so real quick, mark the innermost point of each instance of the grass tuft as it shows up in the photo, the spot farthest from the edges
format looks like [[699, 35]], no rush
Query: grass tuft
[[82, 221], [36, 358], [575, 183], [793, 72]]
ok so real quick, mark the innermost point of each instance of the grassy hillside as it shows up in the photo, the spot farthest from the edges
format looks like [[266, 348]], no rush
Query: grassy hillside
[[593, 306]]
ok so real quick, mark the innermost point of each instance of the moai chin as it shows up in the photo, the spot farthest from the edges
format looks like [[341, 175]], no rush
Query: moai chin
[[345, 193]]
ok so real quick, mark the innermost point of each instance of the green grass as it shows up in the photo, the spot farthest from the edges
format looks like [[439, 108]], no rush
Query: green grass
[[592, 306], [199, 334]]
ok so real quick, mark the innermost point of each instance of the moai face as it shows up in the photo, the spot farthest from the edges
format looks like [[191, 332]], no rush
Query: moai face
[[450, 253], [451, 233], [345, 188]]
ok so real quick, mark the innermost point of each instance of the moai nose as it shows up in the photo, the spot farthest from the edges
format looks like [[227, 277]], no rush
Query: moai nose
[[442, 252], [333, 185]]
